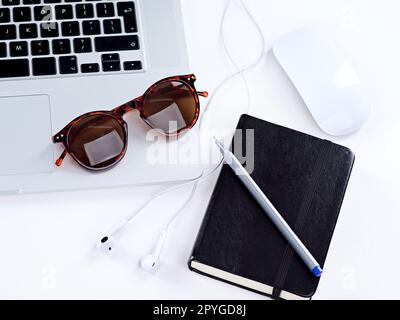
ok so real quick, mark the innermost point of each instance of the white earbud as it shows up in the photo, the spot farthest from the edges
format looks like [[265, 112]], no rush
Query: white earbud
[[107, 242], [151, 262]]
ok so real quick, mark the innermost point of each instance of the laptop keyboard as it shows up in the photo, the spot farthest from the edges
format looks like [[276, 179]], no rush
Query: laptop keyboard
[[55, 38]]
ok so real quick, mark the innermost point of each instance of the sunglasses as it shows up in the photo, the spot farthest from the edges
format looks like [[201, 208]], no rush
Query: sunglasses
[[98, 140]]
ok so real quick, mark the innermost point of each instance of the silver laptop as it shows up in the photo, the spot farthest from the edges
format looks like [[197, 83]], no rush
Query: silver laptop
[[62, 58]]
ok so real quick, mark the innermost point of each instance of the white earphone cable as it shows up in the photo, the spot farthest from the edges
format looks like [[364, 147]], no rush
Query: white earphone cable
[[171, 189], [239, 71], [184, 206]]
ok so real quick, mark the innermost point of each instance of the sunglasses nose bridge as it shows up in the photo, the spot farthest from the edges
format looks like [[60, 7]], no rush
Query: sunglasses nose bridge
[[127, 107], [137, 104]]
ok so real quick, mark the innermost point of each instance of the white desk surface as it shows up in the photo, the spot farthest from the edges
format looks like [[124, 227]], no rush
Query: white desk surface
[[48, 240]]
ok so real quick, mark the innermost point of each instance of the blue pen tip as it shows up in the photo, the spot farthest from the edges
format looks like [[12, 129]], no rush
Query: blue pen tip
[[317, 271]]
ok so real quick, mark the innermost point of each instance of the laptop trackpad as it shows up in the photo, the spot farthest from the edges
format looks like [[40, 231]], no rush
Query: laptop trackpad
[[25, 135]]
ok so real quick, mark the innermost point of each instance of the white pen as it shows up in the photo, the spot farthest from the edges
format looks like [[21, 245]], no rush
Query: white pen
[[270, 210]]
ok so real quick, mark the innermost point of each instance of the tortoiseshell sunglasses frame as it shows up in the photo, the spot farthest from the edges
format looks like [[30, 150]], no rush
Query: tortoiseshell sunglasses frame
[[118, 113]]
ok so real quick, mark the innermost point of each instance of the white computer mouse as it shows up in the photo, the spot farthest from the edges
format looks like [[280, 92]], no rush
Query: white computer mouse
[[325, 79]]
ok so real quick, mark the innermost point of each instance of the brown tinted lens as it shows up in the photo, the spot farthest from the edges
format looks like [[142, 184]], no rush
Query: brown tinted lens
[[97, 141], [170, 106]]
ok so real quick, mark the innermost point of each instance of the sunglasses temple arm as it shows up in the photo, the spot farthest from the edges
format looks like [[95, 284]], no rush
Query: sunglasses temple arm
[[60, 160], [203, 94]]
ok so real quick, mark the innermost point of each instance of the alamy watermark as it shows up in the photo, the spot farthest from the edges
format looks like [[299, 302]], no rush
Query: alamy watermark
[[199, 148]]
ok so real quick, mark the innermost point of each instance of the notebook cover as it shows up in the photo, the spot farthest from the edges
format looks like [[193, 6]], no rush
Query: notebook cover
[[305, 178]]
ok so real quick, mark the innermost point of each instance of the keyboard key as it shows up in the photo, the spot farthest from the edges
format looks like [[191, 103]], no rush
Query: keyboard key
[[84, 11], [105, 10], [28, 31], [82, 45], [111, 66], [112, 26], [43, 66], [40, 48], [133, 65], [3, 50], [91, 27], [22, 14], [110, 62], [18, 49], [72, 0], [68, 65], [125, 8], [52, 1], [116, 43], [31, 1], [61, 46], [130, 24], [110, 57], [14, 68], [70, 28], [49, 29], [90, 68], [42, 13], [64, 12], [4, 15], [8, 32], [11, 2], [127, 11]]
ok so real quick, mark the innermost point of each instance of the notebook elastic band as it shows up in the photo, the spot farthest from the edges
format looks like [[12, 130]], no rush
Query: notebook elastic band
[[302, 217]]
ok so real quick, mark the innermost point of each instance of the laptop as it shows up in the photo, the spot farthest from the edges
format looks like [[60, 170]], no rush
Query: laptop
[[62, 58]]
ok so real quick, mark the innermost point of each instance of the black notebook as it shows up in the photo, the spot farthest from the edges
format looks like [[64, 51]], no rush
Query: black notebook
[[305, 178]]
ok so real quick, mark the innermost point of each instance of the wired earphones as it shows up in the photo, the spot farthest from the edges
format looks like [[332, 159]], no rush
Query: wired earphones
[[151, 262]]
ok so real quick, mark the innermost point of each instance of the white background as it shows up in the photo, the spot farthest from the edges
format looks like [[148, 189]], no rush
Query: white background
[[47, 241]]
